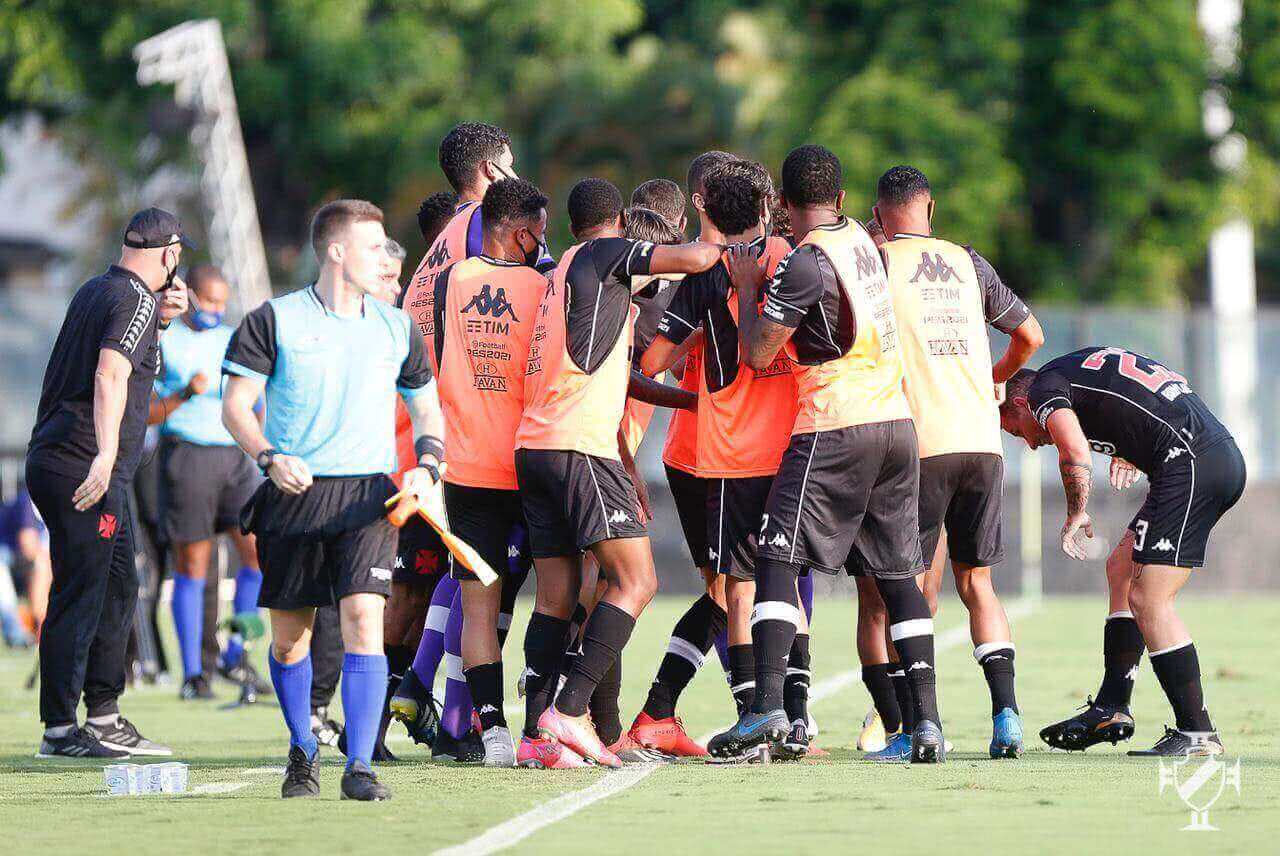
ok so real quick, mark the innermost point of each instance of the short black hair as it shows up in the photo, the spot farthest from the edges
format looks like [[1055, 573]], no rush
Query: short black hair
[[733, 193], [661, 195], [434, 213], [811, 176], [509, 200], [901, 184], [201, 274], [701, 165], [645, 224], [1017, 387], [593, 201], [467, 146]]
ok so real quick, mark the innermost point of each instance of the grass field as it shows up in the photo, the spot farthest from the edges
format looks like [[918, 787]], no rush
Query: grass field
[[1046, 802]]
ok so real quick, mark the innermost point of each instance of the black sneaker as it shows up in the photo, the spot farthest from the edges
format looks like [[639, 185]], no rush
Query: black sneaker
[[302, 776], [359, 783], [325, 729], [468, 750], [196, 689], [413, 705], [1096, 724], [78, 743], [927, 744], [244, 674], [123, 735], [796, 744], [751, 730], [1182, 744]]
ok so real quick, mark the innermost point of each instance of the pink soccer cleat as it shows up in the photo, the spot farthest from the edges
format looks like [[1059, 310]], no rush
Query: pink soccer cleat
[[544, 753], [578, 734]]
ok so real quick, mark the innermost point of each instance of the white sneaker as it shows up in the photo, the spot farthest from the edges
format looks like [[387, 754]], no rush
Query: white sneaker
[[499, 751]]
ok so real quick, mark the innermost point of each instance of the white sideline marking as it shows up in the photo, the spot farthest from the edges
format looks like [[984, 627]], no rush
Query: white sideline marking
[[263, 771], [513, 831], [219, 788]]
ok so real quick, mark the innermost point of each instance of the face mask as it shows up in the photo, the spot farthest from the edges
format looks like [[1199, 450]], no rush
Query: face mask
[[531, 256], [205, 320]]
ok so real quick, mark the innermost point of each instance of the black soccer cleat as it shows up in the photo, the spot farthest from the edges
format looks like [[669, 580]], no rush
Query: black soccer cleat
[[413, 705], [1094, 724], [244, 674], [796, 744], [927, 744], [467, 750], [360, 783], [750, 731], [302, 776], [78, 743], [196, 689], [124, 736], [1182, 744]]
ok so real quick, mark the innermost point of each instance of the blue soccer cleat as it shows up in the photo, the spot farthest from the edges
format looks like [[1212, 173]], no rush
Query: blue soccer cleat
[[751, 730], [897, 749], [1006, 734]]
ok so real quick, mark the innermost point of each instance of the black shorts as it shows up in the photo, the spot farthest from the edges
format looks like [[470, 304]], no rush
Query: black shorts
[[851, 494], [1188, 496], [486, 518], [572, 500], [690, 495], [964, 492], [734, 510], [332, 541], [421, 557], [202, 489]]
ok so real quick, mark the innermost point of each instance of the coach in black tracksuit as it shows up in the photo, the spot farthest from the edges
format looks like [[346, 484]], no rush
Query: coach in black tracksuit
[[84, 450]]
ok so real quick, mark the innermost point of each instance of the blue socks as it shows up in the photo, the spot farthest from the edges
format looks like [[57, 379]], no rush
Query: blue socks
[[364, 689], [248, 584], [188, 621], [293, 689]]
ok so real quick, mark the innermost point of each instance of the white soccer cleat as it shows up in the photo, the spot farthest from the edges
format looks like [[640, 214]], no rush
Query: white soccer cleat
[[499, 751]]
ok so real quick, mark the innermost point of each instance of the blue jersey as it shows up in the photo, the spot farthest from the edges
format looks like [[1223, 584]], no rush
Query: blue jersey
[[331, 381], [185, 352]]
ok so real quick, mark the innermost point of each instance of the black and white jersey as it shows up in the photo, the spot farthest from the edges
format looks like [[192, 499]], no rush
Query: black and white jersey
[[1128, 405]]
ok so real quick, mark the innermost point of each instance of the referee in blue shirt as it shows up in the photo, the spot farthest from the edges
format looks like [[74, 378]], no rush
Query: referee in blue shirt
[[330, 359], [205, 479]]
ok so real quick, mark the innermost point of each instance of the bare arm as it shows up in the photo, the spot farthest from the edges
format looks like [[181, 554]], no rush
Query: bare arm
[[160, 408], [645, 512], [110, 392], [291, 474], [694, 257], [646, 389], [759, 339], [1023, 342], [428, 433], [661, 355], [1075, 463]]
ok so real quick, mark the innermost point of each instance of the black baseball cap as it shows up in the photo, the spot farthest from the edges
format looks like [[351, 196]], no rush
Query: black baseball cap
[[155, 227]]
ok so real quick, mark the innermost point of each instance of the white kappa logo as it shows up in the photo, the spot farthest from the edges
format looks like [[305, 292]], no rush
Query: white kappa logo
[[1164, 545], [619, 517], [778, 540], [1173, 453]]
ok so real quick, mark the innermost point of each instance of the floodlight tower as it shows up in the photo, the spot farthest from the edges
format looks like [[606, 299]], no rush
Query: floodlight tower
[[1232, 282], [193, 57]]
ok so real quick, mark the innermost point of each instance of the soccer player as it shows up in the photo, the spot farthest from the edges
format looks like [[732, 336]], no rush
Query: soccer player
[[434, 214], [664, 197], [473, 155], [744, 425], [485, 309], [849, 481], [205, 479], [576, 494], [330, 361], [84, 452], [944, 296], [1134, 408]]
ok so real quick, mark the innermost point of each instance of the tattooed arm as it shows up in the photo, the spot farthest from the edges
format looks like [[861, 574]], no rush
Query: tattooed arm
[[1075, 462]]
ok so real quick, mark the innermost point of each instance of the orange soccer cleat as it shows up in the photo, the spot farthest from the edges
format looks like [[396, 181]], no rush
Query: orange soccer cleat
[[666, 735]]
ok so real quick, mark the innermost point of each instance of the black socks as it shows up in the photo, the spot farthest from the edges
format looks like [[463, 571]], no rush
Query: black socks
[[544, 644], [1122, 648], [880, 686], [911, 630], [773, 628], [742, 676], [603, 638], [795, 689], [485, 683], [604, 704], [692, 638], [1178, 670], [996, 659]]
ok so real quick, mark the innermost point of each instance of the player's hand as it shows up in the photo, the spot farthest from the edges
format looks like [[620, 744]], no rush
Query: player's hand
[[174, 300], [197, 385], [1079, 523], [1123, 474], [643, 508], [95, 485], [290, 474], [999, 394], [745, 270], [422, 483]]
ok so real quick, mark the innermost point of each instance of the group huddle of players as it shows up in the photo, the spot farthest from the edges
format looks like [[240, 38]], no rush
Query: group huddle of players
[[835, 408]]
